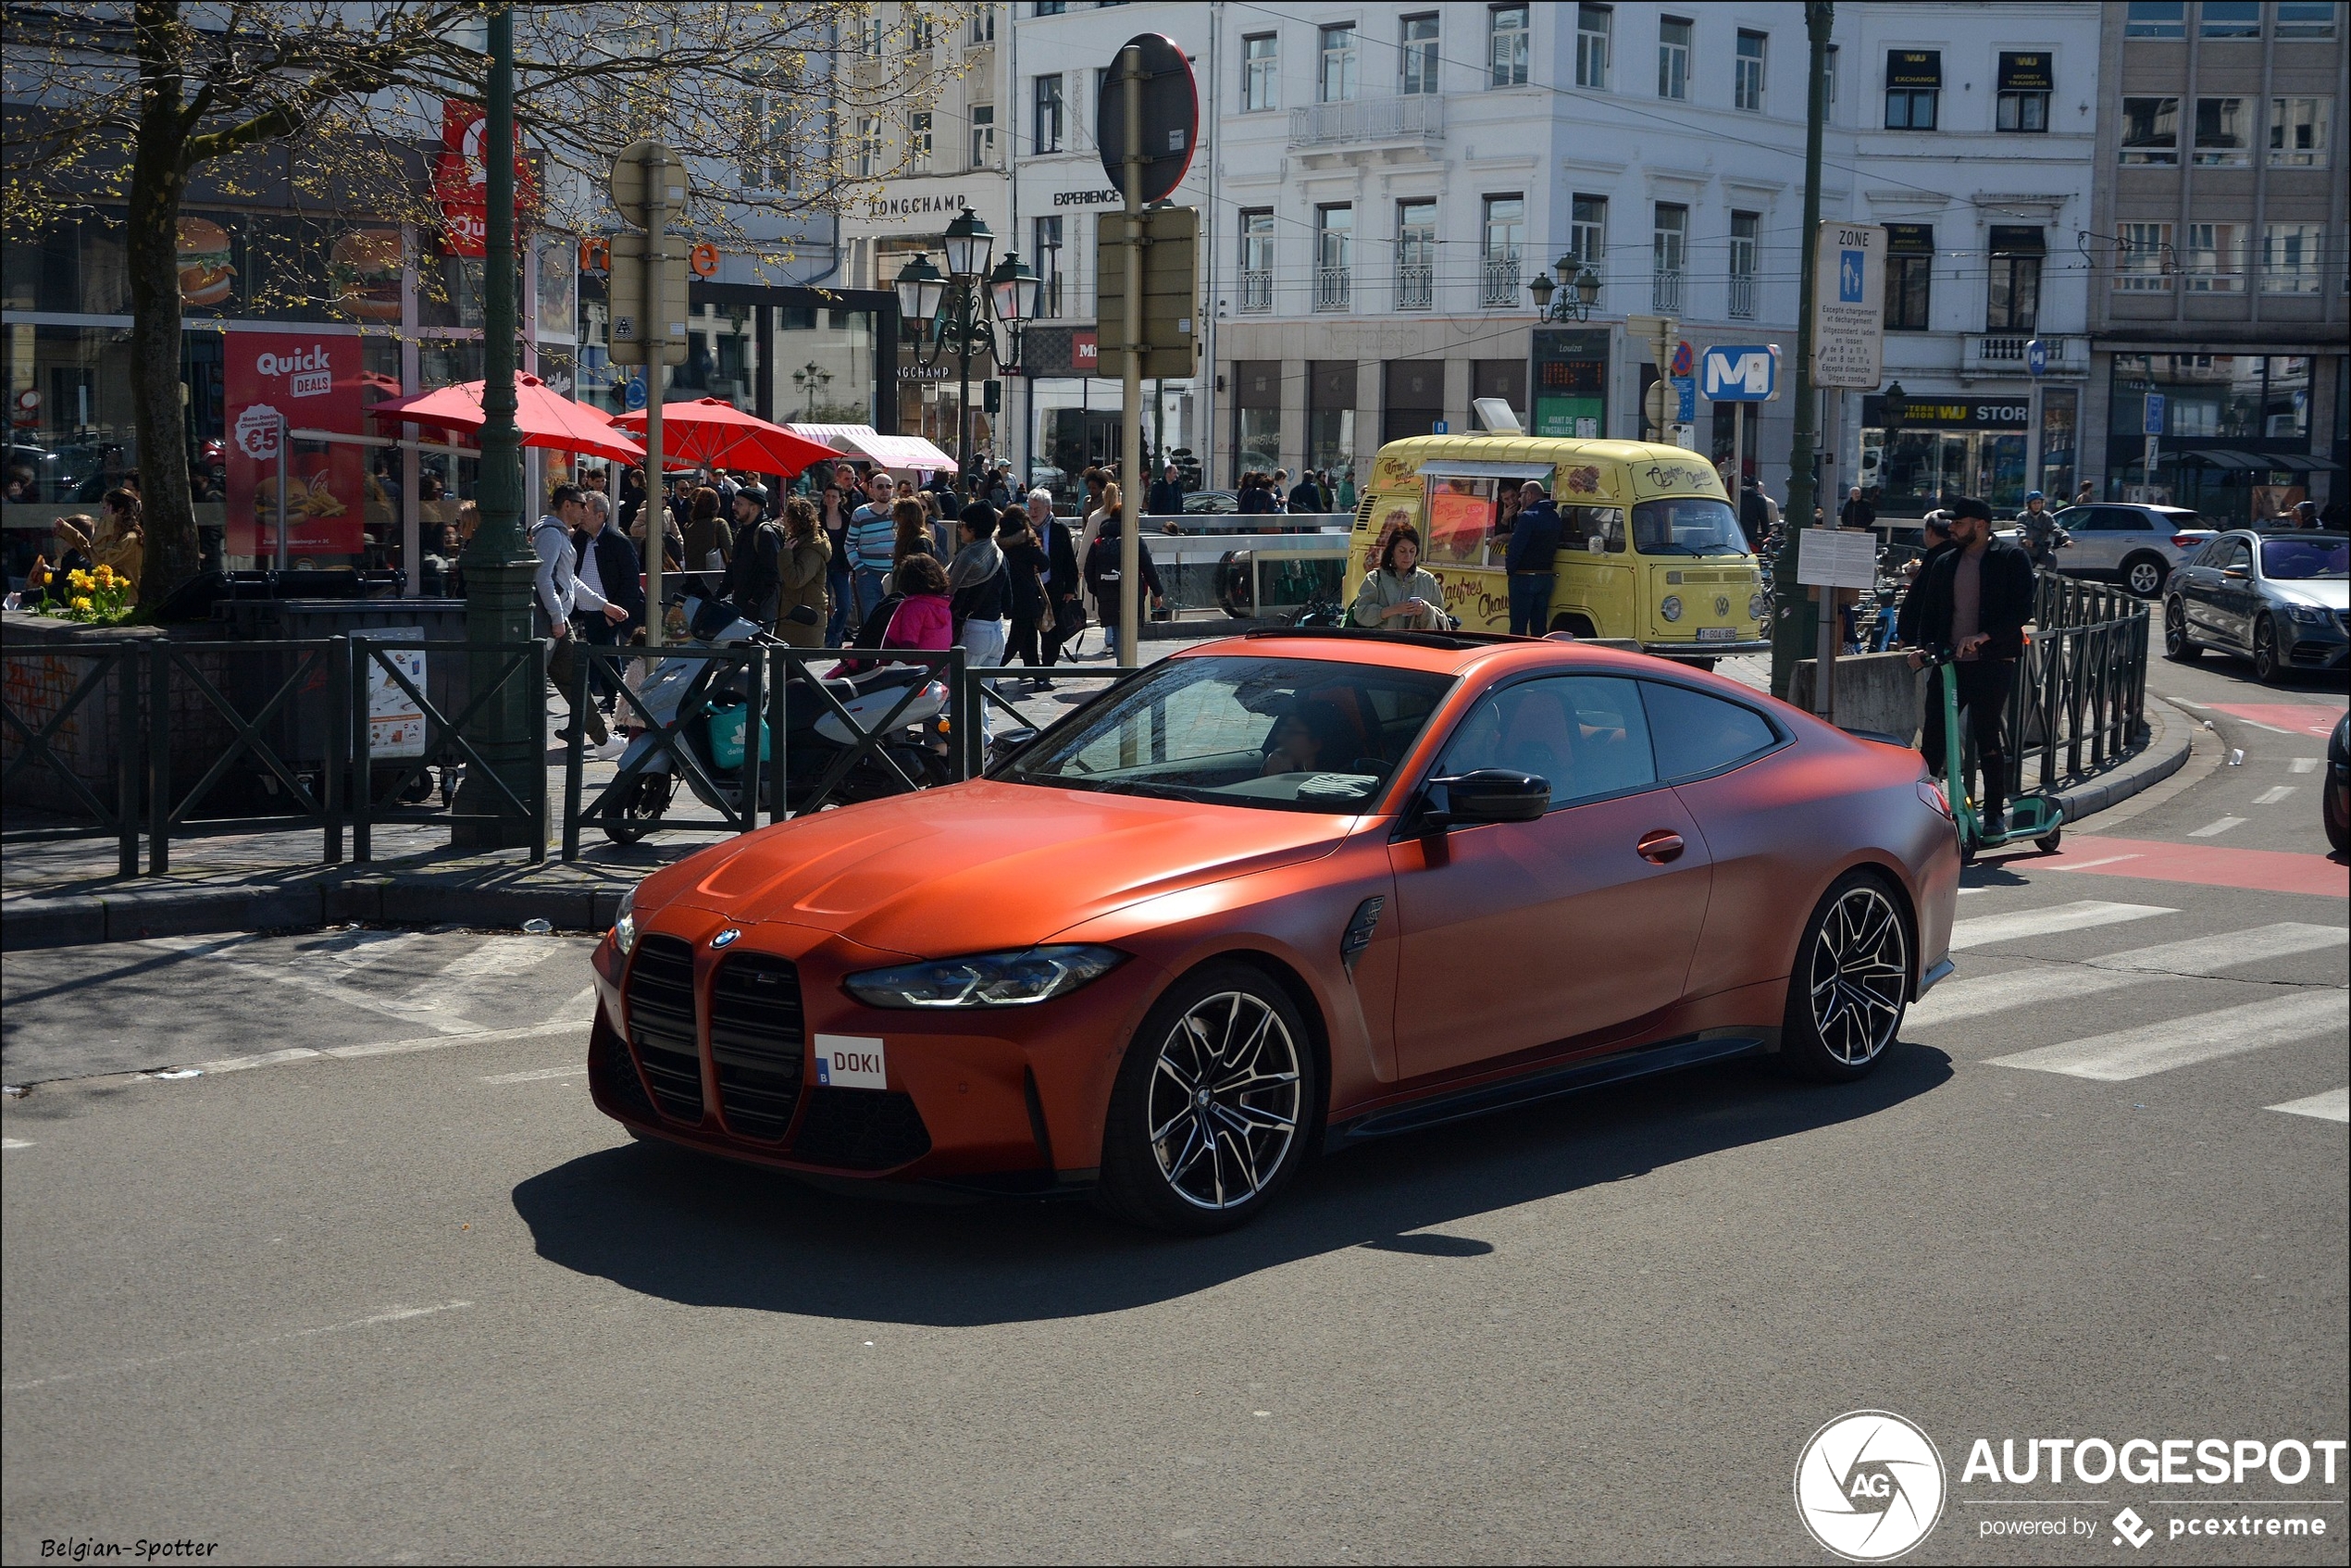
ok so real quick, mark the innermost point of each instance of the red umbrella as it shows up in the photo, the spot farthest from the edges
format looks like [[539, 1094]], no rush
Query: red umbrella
[[712, 433], [546, 418]]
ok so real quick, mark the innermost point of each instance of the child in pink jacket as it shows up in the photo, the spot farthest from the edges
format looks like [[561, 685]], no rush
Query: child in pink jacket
[[921, 619]]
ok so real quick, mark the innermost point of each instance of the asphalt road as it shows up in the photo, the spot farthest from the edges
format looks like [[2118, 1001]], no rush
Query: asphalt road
[[380, 1285]]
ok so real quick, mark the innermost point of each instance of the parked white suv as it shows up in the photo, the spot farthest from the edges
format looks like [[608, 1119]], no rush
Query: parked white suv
[[2135, 545]]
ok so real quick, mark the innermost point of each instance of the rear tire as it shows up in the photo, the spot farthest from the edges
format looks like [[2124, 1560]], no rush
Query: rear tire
[[2143, 576], [2047, 842], [1851, 982], [2177, 644], [1213, 1106], [639, 812]]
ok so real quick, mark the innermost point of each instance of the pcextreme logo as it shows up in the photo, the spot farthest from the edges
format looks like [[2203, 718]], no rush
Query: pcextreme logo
[[1870, 1486]]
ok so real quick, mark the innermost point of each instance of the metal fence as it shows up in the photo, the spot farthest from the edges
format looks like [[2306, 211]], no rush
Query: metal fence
[[2080, 700]]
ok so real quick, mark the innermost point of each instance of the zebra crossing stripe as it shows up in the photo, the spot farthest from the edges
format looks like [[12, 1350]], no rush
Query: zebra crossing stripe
[[1985, 930], [2180, 1042], [2203, 955], [1955, 999], [2334, 1105], [2199, 956]]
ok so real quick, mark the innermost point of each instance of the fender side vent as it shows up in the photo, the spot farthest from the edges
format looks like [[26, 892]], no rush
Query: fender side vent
[[1360, 926]]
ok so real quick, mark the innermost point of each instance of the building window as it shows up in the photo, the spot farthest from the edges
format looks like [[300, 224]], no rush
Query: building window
[[1047, 259], [2214, 262], [2012, 300], [1416, 255], [1260, 66], [869, 146], [1330, 413], [1334, 258], [1910, 271], [1257, 414], [1828, 77], [2146, 265], [767, 143], [2223, 133], [2298, 132], [983, 136], [1913, 84], [1340, 59], [2025, 85], [2150, 130], [983, 28], [2156, 18], [2290, 258], [918, 141], [1669, 249], [1046, 133], [1746, 81], [1745, 227], [1257, 260], [2229, 18], [1587, 233], [1505, 44], [2307, 19], [1419, 54], [920, 30], [1591, 46], [1499, 257], [1672, 57], [1051, 7]]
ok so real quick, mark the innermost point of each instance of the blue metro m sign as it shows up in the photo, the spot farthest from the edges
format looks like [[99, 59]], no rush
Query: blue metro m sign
[[1742, 375]]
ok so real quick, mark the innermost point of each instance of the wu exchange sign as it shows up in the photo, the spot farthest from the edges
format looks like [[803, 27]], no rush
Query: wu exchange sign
[[1848, 305]]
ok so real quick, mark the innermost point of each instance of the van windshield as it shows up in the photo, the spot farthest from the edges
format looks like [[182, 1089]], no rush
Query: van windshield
[[1686, 525]]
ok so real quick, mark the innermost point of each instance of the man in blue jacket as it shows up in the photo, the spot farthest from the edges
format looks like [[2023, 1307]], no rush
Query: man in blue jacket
[[1532, 559]]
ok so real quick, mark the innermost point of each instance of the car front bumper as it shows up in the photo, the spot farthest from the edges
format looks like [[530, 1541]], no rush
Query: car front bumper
[[2313, 645]]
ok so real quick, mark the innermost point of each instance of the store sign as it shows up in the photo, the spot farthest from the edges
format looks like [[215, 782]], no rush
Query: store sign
[[460, 179], [1083, 354], [917, 206], [1924, 413], [1915, 67], [1105, 198], [1571, 383], [312, 382], [2025, 72]]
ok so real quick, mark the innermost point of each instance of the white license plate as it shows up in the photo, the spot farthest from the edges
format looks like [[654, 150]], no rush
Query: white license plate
[[850, 1061], [1716, 633]]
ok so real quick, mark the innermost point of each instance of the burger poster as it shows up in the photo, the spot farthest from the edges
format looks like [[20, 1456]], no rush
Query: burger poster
[[207, 275], [312, 380]]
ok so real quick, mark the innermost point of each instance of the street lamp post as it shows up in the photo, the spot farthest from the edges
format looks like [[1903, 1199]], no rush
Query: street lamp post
[[1577, 293], [975, 298]]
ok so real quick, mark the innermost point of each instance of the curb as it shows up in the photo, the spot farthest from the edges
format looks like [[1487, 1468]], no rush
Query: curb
[[77, 920], [2158, 760]]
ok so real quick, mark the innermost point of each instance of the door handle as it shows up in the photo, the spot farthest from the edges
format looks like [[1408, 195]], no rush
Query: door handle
[[1658, 846]]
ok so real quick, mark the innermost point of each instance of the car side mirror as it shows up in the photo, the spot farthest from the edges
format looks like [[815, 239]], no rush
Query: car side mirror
[[2235, 571], [1489, 794]]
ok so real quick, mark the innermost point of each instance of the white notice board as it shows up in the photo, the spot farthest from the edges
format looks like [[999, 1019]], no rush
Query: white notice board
[[1836, 558], [395, 723]]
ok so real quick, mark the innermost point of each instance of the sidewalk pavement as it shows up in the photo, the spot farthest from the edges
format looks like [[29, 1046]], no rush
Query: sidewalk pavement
[[64, 891]]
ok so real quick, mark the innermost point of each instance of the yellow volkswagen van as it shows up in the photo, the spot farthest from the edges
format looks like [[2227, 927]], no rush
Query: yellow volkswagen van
[[1652, 551]]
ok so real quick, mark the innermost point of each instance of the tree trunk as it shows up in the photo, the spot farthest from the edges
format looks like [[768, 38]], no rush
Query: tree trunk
[[158, 180]]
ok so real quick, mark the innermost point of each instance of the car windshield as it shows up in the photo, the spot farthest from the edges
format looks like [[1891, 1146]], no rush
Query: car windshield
[[1278, 734], [2293, 560], [1686, 525]]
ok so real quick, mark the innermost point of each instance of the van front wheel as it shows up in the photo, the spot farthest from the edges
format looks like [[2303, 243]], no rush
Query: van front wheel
[[1574, 626]]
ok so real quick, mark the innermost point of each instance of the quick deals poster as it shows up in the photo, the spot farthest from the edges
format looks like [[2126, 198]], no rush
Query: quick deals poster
[[312, 380]]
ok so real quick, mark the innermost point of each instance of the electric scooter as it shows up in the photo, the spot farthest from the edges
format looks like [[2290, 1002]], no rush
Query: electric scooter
[[2033, 817]]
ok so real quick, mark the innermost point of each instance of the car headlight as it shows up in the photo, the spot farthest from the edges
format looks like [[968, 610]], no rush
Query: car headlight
[[986, 979], [624, 925], [2308, 614], [1671, 607], [1758, 606]]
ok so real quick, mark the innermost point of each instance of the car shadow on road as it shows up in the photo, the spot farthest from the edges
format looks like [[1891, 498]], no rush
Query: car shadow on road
[[698, 1231]]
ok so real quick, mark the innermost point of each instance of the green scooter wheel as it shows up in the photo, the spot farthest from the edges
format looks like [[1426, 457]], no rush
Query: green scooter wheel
[[2047, 842]]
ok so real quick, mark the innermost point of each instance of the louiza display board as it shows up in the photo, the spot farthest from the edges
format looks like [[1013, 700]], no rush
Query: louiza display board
[[312, 381]]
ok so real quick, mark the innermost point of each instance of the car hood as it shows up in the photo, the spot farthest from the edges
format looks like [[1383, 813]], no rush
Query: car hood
[[2328, 593], [976, 866]]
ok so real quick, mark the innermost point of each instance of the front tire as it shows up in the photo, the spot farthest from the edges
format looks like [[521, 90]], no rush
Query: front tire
[[2177, 645], [2268, 667], [1851, 982], [1214, 1105]]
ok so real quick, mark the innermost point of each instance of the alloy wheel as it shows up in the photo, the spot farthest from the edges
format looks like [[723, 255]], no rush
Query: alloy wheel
[[1224, 1102], [1860, 974], [2144, 579], [2265, 649]]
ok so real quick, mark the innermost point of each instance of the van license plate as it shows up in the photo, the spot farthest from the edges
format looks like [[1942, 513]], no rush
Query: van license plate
[[1716, 633]]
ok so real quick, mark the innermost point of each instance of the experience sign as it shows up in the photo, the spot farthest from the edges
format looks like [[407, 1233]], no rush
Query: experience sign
[[1848, 305]]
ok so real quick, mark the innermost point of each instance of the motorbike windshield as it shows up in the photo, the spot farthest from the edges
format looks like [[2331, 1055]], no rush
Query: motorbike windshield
[[1275, 734], [1686, 525]]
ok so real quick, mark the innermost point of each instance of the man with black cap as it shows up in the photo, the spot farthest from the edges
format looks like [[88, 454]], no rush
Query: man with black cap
[[1973, 601]]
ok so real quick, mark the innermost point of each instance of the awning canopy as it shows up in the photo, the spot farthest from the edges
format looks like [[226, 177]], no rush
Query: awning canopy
[[888, 451], [2305, 462], [2224, 457]]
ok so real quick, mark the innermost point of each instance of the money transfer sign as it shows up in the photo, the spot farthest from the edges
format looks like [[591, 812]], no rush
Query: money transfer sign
[[1848, 305]]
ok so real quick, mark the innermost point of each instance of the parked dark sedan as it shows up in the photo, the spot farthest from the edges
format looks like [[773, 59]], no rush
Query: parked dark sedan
[[2281, 598], [2335, 797]]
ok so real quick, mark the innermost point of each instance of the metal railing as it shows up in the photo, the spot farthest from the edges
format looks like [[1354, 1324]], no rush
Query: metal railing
[[1405, 117], [2080, 687], [35, 740], [1415, 285], [1742, 297], [1334, 288], [1257, 290], [443, 740], [1498, 280], [1665, 291]]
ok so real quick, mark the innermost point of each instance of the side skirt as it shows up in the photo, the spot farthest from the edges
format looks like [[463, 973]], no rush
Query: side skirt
[[1715, 1045]]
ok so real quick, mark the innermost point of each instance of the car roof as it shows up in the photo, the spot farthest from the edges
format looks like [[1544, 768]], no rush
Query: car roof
[[1439, 652]]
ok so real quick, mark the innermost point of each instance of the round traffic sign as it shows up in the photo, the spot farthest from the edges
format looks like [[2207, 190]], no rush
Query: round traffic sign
[[634, 392], [1171, 115], [1681, 357], [1659, 404]]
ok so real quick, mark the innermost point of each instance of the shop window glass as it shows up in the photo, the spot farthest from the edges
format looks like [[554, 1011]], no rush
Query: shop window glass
[[2150, 130], [2298, 132]]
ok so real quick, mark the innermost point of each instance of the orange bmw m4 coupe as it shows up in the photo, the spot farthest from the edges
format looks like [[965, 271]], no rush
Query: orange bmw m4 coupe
[[1272, 895]]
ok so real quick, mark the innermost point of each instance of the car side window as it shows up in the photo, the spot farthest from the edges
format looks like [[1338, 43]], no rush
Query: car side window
[[2121, 519], [2235, 555], [1587, 735], [1697, 733]]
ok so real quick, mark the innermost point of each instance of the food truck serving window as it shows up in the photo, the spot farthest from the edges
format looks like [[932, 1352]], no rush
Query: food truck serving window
[[1461, 523]]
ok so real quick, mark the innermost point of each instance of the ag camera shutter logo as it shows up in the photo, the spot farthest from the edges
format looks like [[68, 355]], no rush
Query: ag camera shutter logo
[[1870, 1486]]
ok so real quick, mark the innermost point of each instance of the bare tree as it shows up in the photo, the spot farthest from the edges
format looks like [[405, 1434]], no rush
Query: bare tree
[[116, 107]]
